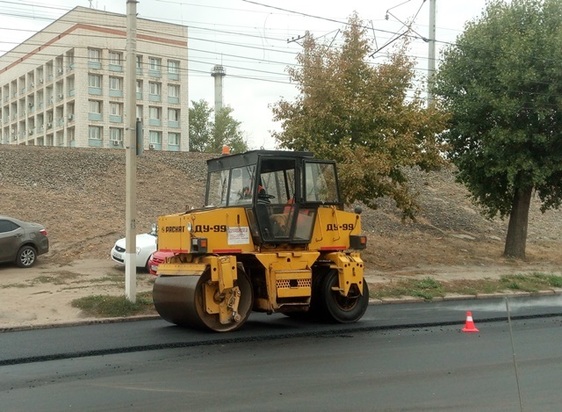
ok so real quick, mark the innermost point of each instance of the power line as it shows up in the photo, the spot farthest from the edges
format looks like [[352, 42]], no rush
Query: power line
[[212, 53], [201, 28]]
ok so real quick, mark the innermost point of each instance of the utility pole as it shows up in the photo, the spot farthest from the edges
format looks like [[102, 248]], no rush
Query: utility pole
[[131, 153], [431, 52]]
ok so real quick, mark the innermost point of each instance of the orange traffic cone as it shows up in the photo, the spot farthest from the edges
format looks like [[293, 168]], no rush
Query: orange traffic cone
[[469, 325]]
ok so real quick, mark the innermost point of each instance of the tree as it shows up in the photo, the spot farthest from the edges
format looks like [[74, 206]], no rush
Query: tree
[[200, 127], [502, 84], [226, 131], [206, 135], [363, 116]]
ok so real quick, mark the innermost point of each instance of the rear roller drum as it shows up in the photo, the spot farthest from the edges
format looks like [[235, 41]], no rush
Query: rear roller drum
[[181, 300], [335, 307]]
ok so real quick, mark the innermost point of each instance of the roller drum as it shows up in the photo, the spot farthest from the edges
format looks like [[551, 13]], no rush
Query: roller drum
[[180, 300], [174, 299]]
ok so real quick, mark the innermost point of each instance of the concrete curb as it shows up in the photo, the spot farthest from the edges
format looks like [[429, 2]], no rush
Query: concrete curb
[[372, 301], [78, 322]]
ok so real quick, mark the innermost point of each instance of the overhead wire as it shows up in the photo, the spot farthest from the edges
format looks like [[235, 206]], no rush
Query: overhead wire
[[238, 33], [225, 31], [217, 54]]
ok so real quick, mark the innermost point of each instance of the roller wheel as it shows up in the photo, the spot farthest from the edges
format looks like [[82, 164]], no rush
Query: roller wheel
[[334, 307], [180, 300]]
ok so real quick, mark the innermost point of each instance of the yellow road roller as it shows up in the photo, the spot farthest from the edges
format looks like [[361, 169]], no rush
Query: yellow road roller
[[273, 236]]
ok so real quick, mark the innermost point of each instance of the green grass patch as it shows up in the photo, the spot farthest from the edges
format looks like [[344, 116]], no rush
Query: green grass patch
[[426, 288], [429, 288], [531, 283], [106, 306]]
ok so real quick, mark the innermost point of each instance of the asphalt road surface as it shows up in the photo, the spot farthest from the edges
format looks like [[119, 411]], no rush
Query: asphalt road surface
[[399, 357]]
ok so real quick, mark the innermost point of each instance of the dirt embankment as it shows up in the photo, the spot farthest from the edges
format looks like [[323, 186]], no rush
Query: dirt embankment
[[79, 195]]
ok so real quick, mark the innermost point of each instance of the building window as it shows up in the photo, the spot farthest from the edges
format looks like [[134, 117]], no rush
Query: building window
[[116, 109], [115, 61], [173, 139], [155, 112], [94, 110], [94, 132], [115, 134], [94, 106], [154, 63], [155, 88], [139, 113], [173, 69], [174, 93], [173, 90], [155, 116], [154, 67], [116, 112], [139, 62], [70, 85], [115, 83], [115, 86], [94, 55], [116, 58], [174, 115], [139, 89], [173, 66], [70, 59], [94, 80], [155, 91], [94, 84], [155, 137], [94, 58]]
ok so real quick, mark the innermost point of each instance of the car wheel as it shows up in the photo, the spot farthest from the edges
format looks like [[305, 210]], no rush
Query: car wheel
[[26, 257]]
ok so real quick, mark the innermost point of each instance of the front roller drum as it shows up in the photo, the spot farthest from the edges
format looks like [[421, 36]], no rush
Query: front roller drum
[[181, 300]]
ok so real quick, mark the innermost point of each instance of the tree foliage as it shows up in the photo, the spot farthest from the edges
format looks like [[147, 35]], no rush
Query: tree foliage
[[208, 133], [502, 84], [200, 126], [362, 115]]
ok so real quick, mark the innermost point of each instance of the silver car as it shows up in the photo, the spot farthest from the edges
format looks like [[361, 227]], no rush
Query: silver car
[[21, 242]]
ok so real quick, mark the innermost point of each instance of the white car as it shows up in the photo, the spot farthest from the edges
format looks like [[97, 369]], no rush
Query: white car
[[146, 246]]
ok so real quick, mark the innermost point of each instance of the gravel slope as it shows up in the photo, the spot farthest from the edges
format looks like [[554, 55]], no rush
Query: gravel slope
[[79, 195]]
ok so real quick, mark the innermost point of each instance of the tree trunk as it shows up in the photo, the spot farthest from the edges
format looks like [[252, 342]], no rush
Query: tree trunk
[[516, 239]]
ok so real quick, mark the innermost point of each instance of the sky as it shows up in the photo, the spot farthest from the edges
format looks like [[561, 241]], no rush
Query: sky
[[256, 41]]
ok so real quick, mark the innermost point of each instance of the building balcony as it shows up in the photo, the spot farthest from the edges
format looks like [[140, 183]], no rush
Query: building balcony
[[95, 116], [96, 91]]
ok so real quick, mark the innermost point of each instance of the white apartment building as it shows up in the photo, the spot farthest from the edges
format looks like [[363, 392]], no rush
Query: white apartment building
[[64, 86]]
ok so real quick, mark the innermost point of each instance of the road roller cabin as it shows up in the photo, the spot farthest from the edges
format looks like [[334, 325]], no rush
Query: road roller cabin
[[273, 236]]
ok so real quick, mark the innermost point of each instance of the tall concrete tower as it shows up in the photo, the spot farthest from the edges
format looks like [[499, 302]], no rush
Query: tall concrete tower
[[218, 73]]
